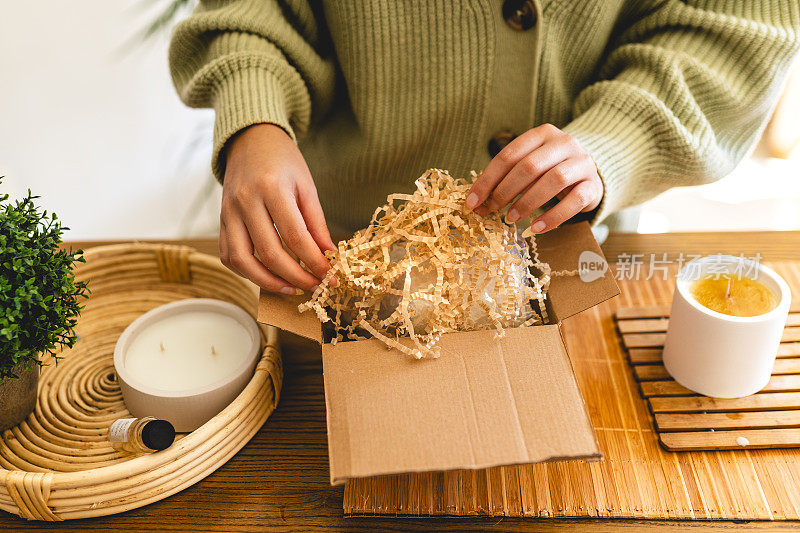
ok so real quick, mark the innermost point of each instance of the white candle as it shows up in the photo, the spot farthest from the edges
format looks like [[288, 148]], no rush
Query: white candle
[[188, 350], [186, 361], [722, 355]]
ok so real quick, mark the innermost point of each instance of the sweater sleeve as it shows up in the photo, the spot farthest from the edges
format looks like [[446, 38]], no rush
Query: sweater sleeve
[[253, 61], [683, 93]]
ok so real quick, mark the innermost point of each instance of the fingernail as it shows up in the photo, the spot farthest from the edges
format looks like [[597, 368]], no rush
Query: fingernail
[[512, 215], [314, 288], [538, 226], [292, 291], [472, 201]]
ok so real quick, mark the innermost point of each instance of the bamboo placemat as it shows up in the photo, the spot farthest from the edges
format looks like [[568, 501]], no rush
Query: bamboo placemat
[[637, 478], [688, 421]]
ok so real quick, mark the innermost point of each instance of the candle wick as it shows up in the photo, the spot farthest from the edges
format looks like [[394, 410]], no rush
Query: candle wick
[[213, 351], [728, 290], [162, 346]]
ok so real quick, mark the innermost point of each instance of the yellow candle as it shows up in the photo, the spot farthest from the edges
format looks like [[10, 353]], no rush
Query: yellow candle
[[734, 295]]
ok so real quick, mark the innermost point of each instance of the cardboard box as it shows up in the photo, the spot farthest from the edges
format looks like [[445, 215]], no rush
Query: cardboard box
[[485, 402]]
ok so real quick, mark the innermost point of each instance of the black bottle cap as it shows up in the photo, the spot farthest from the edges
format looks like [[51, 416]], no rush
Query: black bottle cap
[[158, 434]]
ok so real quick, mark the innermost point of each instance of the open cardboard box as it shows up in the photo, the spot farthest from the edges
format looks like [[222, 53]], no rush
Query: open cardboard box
[[485, 402]]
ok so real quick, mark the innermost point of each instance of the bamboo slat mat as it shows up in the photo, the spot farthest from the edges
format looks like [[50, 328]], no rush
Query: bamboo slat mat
[[688, 421], [637, 478]]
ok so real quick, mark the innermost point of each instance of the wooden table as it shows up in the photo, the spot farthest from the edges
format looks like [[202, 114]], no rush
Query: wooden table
[[279, 481]]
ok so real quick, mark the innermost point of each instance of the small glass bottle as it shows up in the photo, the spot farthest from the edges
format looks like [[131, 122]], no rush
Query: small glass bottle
[[141, 435]]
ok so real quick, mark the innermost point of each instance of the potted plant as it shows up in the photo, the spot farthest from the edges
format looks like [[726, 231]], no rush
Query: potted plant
[[40, 301]]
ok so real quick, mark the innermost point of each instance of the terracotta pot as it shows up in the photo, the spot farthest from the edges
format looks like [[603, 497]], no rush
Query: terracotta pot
[[18, 396]]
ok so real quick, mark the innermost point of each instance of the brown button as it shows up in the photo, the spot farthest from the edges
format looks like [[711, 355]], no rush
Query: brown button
[[498, 141], [519, 14]]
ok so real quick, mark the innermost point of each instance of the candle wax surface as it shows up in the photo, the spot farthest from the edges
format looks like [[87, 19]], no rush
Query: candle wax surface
[[187, 360], [734, 295]]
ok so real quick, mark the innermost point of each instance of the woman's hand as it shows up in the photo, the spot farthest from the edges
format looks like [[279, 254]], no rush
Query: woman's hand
[[541, 163], [268, 196]]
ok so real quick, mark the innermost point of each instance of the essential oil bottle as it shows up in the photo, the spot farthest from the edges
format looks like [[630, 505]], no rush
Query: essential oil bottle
[[141, 435]]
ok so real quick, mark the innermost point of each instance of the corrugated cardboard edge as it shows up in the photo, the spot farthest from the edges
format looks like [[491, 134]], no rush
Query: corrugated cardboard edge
[[281, 312], [571, 247]]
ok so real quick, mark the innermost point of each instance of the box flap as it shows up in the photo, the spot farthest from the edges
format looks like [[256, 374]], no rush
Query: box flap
[[281, 312], [485, 402], [571, 247]]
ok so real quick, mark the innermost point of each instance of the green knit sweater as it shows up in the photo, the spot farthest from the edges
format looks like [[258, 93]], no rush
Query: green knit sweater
[[662, 93]]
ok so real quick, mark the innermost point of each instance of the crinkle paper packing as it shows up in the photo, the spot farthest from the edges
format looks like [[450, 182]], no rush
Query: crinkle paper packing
[[426, 265]]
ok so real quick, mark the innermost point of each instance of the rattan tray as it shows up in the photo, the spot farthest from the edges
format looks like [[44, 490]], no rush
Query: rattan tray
[[57, 464]]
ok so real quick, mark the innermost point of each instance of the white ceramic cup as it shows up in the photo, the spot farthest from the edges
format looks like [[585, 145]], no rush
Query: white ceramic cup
[[185, 409], [720, 355]]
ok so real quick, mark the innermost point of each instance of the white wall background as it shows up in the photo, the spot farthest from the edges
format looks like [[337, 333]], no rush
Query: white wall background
[[95, 128], [761, 194]]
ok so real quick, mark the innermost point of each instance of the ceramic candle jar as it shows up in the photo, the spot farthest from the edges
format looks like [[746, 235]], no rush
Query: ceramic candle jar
[[717, 354], [186, 361]]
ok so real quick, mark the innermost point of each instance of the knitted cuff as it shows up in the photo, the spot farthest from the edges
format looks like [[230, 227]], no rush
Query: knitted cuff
[[620, 148], [242, 98]]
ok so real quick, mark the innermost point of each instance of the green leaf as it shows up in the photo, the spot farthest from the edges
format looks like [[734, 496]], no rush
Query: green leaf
[[39, 295]]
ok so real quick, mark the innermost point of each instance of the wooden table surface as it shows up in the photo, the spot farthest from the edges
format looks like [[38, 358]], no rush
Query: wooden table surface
[[279, 481]]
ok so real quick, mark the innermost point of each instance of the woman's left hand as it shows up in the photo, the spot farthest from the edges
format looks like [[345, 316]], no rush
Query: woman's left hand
[[540, 164]]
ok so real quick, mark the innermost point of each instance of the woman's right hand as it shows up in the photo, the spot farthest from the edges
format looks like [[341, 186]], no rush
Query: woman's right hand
[[268, 199]]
